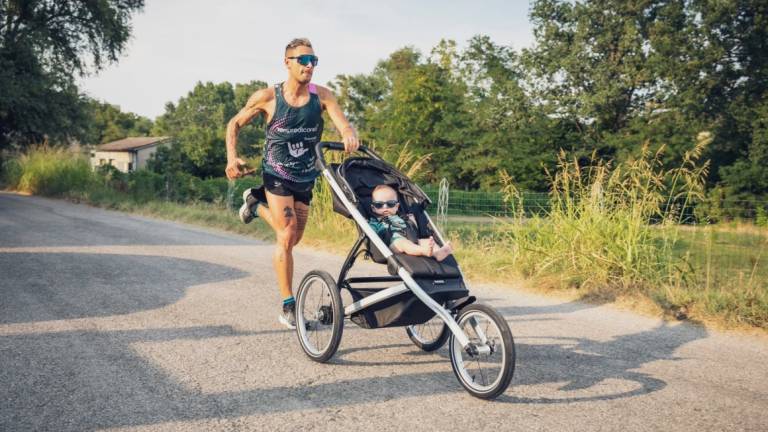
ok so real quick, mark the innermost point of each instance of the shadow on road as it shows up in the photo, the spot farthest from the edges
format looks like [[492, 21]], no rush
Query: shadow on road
[[53, 286], [88, 380]]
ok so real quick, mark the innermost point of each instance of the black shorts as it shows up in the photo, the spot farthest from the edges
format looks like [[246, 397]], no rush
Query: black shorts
[[301, 192]]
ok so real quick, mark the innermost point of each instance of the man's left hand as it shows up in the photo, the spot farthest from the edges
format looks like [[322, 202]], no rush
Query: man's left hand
[[349, 137]]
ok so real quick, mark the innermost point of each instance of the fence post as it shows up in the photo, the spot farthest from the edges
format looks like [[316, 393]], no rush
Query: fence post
[[230, 193], [442, 205]]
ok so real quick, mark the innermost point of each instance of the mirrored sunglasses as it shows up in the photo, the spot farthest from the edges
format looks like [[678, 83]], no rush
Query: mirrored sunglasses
[[381, 204], [305, 59]]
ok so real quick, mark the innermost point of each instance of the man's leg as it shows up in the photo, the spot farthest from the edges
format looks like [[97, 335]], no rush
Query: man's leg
[[284, 221], [266, 216], [302, 214]]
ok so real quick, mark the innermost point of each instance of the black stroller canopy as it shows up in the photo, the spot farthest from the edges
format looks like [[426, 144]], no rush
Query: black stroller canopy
[[363, 174]]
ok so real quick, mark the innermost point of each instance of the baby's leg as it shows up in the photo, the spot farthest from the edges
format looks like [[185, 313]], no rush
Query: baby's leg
[[442, 252], [408, 247], [427, 242]]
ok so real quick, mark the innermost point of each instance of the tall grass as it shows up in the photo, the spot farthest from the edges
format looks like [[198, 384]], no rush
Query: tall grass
[[49, 171], [616, 231], [598, 231]]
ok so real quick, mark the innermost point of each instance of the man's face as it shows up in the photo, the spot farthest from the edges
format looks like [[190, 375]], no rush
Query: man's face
[[384, 195], [297, 71]]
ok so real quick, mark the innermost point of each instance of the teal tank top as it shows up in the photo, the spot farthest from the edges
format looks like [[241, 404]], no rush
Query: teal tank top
[[289, 151]]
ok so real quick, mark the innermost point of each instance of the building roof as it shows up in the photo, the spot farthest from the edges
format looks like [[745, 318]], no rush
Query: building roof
[[131, 143]]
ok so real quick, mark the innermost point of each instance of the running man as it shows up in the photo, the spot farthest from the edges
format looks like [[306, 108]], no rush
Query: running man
[[293, 111]]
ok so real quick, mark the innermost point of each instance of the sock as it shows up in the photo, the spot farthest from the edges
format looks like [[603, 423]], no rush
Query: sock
[[288, 300]]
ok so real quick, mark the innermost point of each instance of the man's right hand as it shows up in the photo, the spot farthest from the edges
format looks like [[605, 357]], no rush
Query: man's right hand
[[233, 169]]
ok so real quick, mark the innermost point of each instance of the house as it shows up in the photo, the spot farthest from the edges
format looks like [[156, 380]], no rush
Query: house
[[127, 154]]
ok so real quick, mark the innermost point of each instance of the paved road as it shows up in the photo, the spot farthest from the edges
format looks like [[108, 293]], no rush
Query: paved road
[[116, 322]]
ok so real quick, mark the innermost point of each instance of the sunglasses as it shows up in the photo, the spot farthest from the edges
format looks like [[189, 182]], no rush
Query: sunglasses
[[305, 59], [381, 204]]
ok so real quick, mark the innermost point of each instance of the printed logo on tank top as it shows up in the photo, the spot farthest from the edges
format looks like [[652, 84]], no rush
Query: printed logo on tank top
[[297, 149]]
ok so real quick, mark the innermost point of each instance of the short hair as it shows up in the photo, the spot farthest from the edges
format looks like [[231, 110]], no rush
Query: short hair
[[297, 43], [383, 187]]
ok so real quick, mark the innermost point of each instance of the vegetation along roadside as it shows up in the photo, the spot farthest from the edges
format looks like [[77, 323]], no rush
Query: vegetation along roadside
[[611, 233]]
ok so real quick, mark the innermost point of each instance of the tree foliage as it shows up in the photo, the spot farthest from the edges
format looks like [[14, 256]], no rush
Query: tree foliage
[[198, 123], [108, 123], [603, 77], [44, 44]]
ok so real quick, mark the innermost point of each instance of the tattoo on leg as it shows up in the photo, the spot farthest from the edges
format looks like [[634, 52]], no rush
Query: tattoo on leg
[[301, 218], [288, 211]]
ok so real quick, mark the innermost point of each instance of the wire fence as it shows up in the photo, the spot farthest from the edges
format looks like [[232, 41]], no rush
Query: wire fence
[[478, 206], [490, 204]]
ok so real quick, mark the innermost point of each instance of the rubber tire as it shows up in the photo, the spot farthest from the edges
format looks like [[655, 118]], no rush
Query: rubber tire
[[508, 368], [338, 310], [441, 339]]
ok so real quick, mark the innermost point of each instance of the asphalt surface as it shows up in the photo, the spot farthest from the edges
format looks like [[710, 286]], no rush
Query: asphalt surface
[[116, 322]]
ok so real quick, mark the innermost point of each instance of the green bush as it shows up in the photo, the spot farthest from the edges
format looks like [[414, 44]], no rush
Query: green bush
[[145, 185], [761, 219], [11, 173], [48, 171]]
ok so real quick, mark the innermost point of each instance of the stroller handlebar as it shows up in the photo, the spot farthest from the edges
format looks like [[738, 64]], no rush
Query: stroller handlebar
[[337, 146]]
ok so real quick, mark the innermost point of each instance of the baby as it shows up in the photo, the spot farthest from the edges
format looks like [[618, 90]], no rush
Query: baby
[[384, 205]]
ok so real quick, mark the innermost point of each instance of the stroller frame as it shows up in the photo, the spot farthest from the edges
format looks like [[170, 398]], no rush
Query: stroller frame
[[408, 281], [423, 288]]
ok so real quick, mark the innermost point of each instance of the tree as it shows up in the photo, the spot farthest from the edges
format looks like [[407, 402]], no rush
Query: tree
[[627, 72], [507, 131], [198, 122], [589, 65], [108, 123], [44, 44]]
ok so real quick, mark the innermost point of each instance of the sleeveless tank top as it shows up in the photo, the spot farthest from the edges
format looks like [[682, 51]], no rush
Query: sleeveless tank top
[[292, 133]]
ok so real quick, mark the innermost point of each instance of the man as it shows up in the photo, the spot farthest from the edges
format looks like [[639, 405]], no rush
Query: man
[[293, 111]]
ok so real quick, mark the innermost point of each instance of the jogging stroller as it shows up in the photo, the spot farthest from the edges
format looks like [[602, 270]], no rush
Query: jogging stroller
[[429, 298]]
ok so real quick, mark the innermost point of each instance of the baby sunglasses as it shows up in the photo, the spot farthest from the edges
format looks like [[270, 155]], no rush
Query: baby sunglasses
[[305, 59], [381, 204]]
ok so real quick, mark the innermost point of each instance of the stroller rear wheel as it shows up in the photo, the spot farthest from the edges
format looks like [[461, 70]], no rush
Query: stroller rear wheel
[[486, 368], [429, 336], [319, 316]]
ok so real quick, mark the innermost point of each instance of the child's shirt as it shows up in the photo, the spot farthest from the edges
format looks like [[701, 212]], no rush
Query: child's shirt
[[394, 224]]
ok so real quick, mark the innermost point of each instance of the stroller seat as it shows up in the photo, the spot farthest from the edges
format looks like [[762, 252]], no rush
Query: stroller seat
[[359, 177], [429, 268]]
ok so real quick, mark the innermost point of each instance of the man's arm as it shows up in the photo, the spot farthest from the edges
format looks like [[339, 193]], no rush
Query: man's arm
[[252, 108], [348, 133]]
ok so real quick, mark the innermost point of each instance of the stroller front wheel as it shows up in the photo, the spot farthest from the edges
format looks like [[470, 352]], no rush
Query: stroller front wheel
[[319, 316], [486, 370]]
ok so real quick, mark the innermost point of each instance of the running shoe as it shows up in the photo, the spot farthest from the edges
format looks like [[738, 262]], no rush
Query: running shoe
[[288, 316], [252, 197]]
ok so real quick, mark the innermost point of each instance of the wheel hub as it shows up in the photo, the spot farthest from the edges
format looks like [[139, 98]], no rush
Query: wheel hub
[[325, 315]]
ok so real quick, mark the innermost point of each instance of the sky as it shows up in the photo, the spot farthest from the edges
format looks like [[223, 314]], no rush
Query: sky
[[176, 43]]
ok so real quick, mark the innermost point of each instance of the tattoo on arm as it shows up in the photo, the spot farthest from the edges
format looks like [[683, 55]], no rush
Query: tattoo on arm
[[288, 212]]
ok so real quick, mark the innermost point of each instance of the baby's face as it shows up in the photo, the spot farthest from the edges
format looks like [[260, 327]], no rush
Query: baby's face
[[383, 196]]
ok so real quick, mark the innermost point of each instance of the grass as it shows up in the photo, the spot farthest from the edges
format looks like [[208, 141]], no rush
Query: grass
[[595, 242]]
